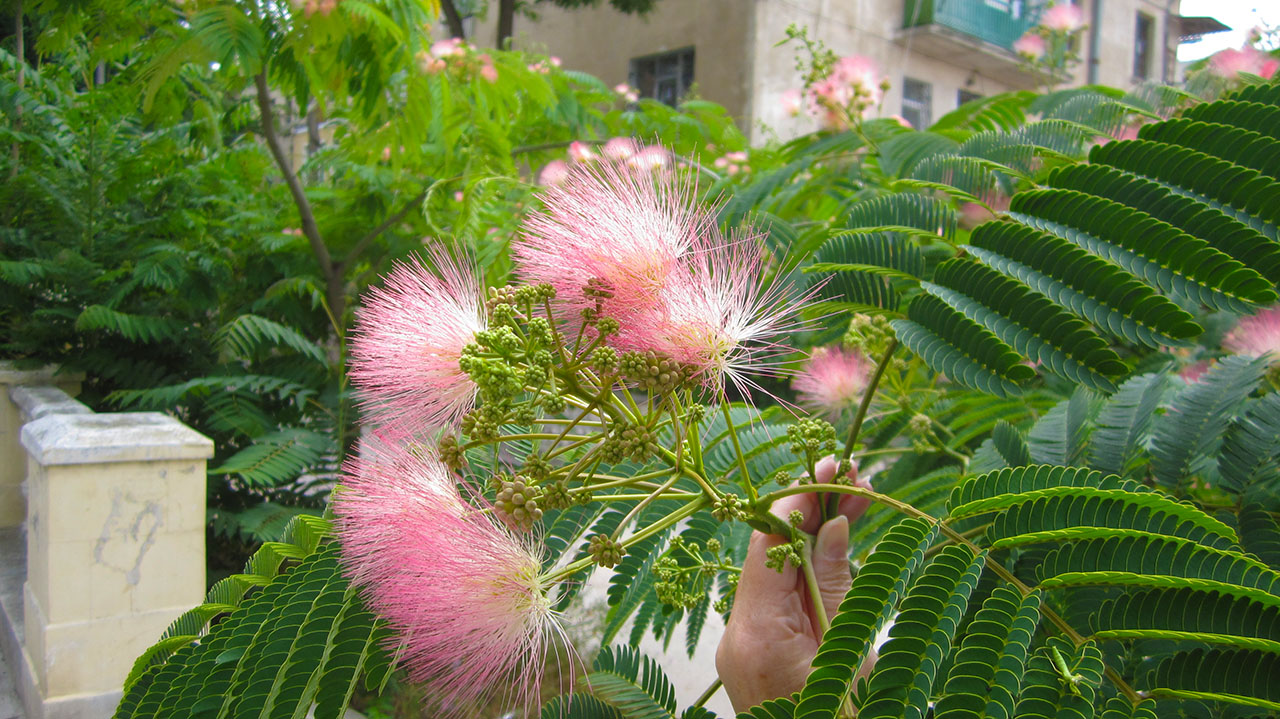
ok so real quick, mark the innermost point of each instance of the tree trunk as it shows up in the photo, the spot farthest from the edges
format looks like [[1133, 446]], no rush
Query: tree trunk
[[506, 21], [453, 19]]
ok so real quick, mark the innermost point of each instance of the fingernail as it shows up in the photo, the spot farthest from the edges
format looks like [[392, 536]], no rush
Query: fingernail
[[833, 539]]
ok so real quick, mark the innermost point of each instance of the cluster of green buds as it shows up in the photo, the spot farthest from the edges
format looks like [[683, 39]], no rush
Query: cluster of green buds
[[811, 438], [869, 334], [516, 503], [654, 372], [606, 551], [686, 573]]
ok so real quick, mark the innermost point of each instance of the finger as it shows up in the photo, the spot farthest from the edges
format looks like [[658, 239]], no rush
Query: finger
[[806, 503], [831, 563], [851, 506], [761, 589]]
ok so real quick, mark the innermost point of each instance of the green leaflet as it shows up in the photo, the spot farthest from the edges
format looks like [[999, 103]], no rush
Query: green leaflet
[[921, 635], [1225, 675], [988, 668], [1017, 480], [1047, 692], [968, 353], [1098, 291], [1260, 535], [866, 607], [1125, 550], [1186, 439], [1060, 437], [633, 683], [1214, 618], [1154, 251], [1124, 423]]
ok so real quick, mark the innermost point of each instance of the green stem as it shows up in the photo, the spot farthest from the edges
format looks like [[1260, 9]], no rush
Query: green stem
[[737, 449], [867, 394], [687, 510], [710, 692], [645, 502], [811, 583]]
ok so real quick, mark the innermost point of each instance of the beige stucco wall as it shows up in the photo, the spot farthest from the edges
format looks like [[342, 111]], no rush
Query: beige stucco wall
[[739, 65], [602, 41]]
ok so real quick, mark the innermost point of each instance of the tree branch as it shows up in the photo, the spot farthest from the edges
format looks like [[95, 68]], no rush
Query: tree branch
[[363, 243], [453, 19], [21, 53], [506, 22], [309, 227]]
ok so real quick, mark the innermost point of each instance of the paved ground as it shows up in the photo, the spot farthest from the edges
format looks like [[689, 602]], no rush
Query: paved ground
[[10, 706]]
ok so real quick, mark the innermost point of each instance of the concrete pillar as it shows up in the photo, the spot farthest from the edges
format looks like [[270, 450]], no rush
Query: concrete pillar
[[115, 549], [13, 459]]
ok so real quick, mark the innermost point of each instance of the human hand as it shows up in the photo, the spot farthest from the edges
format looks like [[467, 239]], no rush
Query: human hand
[[773, 632]]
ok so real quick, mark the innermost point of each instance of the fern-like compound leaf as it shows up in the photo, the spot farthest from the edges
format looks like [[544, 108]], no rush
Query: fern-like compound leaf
[[867, 605], [987, 675]]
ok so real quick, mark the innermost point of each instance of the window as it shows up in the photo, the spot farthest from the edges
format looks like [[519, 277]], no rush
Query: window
[[963, 96], [917, 102], [666, 77], [1144, 29]]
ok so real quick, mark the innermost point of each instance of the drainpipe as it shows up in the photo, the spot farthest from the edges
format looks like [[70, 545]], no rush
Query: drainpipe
[[1095, 27]]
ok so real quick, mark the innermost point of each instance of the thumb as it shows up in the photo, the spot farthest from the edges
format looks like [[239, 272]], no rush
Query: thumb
[[831, 563]]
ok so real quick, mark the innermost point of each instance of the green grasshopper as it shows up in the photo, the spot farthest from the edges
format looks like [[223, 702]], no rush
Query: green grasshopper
[[1071, 679]]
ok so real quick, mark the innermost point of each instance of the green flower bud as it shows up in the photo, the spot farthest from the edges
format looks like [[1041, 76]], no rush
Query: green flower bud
[[606, 551]]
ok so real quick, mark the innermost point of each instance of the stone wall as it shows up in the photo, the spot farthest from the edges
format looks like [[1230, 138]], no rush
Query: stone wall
[[111, 547]]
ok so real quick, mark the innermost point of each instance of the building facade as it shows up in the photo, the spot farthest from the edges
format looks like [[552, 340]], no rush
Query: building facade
[[936, 54]]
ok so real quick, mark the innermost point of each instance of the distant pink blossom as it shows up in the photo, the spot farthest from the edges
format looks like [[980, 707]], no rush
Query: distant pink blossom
[[1257, 335], [447, 48], [553, 173], [651, 157], [738, 157], [792, 102], [408, 339], [1031, 44], [619, 148], [555, 61], [1063, 17], [627, 92], [458, 196], [464, 596], [1248, 59], [580, 152], [832, 380], [902, 121], [849, 90], [487, 70], [428, 64], [1192, 372]]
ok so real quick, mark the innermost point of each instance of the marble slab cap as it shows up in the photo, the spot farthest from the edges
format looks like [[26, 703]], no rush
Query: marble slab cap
[[49, 374], [58, 439], [37, 402]]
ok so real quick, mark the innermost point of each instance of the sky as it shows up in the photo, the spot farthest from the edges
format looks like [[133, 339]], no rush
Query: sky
[[1241, 15]]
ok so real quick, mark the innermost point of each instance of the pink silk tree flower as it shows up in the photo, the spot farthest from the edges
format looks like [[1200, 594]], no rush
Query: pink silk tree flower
[[464, 596], [832, 380], [620, 148], [717, 317], [1257, 335], [1031, 45], [408, 339], [609, 224], [1063, 17]]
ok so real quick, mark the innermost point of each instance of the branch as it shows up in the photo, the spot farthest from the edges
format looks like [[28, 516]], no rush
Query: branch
[[364, 242], [453, 19], [309, 227]]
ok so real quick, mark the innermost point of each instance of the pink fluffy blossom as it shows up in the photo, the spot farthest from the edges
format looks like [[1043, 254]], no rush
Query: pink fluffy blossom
[[1248, 59], [553, 173], [1031, 45], [608, 223], [580, 152], [447, 48], [464, 596], [714, 315], [1063, 17], [627, 92], [487, 69], [619, 148], [1257, 335], [651, 157], [792, 102], [849, 90], [408, 339], [832, 380]]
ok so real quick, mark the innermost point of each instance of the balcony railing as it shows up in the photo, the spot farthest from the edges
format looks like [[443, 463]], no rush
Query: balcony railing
[[998, 22]]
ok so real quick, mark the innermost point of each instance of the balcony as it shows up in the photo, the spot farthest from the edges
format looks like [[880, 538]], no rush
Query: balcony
[[978, 34]]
